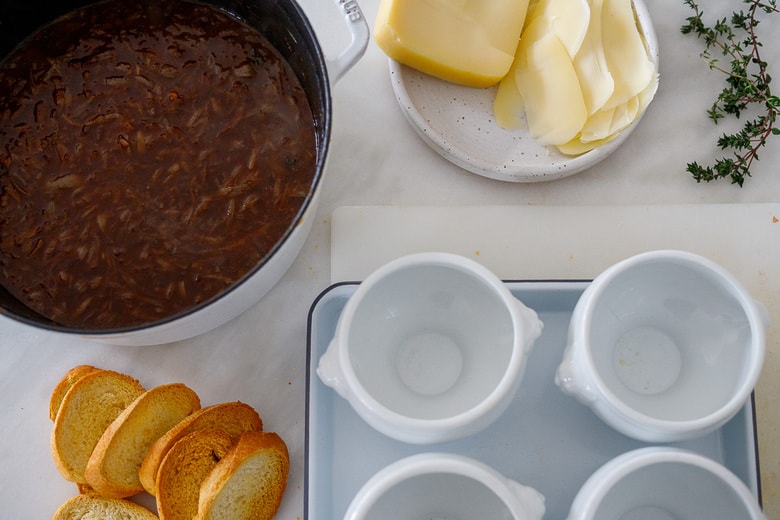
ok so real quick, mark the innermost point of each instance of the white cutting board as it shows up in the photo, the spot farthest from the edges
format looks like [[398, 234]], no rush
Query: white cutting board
[[577, 242]]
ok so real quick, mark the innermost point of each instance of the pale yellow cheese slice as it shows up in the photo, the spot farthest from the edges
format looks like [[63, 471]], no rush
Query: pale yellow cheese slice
[[624, 51], [530, 12], [591, 64], [621, 116], [469, 42], [549, 86], [605, 125], [508, 105], [609, 121], [578, 147], [648, 93], [567, 19]]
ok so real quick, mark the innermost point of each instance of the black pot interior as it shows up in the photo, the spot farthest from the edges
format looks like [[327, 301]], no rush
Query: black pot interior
[[281, 21]]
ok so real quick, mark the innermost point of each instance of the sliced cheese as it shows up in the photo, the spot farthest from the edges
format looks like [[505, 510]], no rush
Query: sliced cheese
[[567, 19], [598, 126], [605, 125], [624, 51], [591, 64], [578, 147], [508, 105], [620, 117], [647, 95], [609, 121], [549, 86], [469, 42], [530, 12]]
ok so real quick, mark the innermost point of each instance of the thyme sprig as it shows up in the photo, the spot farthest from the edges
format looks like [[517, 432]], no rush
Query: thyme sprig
[[747, 87]]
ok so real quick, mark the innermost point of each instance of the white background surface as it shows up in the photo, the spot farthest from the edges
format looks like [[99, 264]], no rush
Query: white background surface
[[376, 159]]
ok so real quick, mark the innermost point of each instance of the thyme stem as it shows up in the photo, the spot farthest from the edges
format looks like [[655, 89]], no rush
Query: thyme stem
[[747, 86]]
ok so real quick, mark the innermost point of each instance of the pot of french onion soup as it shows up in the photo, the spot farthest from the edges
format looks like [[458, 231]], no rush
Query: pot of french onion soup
[[160, 161]]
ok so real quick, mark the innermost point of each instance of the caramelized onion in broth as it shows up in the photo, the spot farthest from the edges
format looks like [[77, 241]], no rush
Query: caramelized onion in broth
[[151, 154]]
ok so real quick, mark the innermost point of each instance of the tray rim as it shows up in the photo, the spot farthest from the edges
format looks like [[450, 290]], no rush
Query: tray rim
[[755, 476]]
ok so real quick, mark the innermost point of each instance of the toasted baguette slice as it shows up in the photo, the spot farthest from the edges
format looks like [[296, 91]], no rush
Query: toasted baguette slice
[[249, 482], [73, 375], [81, 507], [88, 407], [183, 469], [234, 418], [85, 489], [112, 469]]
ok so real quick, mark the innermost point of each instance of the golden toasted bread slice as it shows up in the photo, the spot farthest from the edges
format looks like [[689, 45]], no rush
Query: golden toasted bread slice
[[73, 375], [86, 410], [249, 482], [84, 489], [183, 469], [234, 418], [112, 469], [82, 507]]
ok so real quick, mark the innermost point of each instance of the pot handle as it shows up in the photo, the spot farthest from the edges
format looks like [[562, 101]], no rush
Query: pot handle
[[357, 25]]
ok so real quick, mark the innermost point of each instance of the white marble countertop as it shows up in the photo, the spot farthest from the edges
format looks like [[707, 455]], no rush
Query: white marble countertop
[[376, 159]]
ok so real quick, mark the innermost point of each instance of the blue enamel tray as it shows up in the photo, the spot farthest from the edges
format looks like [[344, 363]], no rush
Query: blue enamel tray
[[545, 439]]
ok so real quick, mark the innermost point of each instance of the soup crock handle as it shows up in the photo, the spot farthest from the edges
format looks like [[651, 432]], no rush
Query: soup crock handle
[[571, 377], [532, 326], [526, 502], [329, 369], [358, 26]]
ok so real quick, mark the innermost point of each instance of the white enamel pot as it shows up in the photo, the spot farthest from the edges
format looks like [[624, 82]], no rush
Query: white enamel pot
[[285, 25]]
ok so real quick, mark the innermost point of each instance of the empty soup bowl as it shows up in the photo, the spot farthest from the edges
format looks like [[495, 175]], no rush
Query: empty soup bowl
[[660, 483], [430, 347], [443, 486], [664, 346]]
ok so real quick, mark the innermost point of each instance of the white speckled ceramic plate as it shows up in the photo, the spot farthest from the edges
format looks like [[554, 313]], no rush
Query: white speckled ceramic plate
[[458, 123]]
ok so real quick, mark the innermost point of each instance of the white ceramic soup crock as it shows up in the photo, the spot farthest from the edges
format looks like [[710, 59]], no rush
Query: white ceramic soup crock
[[431, 347], [664, 346], [660, 483], [443, 486]]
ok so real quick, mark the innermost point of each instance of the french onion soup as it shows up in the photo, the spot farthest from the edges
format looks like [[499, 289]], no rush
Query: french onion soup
[[151, 154]]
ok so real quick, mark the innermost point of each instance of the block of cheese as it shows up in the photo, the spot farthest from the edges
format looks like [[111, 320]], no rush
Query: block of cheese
[[467, 42]]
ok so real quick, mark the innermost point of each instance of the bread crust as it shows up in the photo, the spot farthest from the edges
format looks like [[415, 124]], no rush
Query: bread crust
[[112, 468], [88, 407], [70, 378], [94, 506], [184, 468], [232, 417], [249, 482]]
